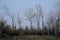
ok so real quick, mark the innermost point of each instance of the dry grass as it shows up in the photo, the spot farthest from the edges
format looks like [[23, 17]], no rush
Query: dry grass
[[32, 38]]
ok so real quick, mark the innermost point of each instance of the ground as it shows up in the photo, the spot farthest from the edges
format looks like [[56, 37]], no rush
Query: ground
[[32, 37]]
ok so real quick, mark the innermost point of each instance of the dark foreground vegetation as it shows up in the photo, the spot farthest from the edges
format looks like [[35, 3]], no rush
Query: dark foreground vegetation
[[8, 33]]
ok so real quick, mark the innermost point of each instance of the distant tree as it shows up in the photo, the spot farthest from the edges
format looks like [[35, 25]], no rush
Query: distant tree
[[19, 20], [51, 22], [38, 15], [30, 16], [57, 10], [7, 12], [58, 21]]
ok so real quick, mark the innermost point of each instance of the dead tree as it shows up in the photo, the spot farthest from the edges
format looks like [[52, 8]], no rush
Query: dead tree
[[38, 15], [10, 14], [30, 15], [19, 21]]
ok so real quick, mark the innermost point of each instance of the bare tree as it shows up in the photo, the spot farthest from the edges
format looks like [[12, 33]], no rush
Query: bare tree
[[38, 15], [51, 22], [58, 21], [30, 15], [19, 20], [7, 12], [57, 9]]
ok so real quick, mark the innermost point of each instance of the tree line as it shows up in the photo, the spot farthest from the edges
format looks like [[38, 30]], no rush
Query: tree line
[[52, 26]]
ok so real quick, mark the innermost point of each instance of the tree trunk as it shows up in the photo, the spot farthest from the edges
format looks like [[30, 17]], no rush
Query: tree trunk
[[42, 25], [38, 25]]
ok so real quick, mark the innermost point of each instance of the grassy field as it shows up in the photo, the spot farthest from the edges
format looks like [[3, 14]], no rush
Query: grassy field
[[32, 38]]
